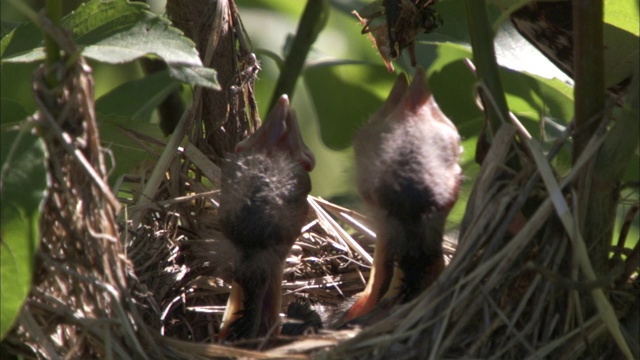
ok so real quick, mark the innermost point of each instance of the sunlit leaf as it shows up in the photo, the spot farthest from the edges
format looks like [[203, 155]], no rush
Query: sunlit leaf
[[116, 32], [530, 98], [621, 35]]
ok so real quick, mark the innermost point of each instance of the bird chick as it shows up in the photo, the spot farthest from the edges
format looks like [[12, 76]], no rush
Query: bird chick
[[263, 206], [408, 175]]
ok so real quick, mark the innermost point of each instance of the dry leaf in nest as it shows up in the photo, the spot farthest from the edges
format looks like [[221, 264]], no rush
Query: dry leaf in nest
[[403, 21]]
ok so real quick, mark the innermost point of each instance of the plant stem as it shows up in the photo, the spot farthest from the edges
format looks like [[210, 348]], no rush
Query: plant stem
[[595, 223], [313, 20], [588, 54], [484, 58], [52, 50]]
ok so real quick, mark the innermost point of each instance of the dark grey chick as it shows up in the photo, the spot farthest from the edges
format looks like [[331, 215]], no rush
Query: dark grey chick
[[263, 207], [408, 175]]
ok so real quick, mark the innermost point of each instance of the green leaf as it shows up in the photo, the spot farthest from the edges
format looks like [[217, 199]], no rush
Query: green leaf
[[343, 100], [621, 36], [135, 100], [125, 111], [21, 40], [530, 98], [23, 182], [622, 14], [7, 26], [195, 76], [116, 32], [452, 84], [620, 54], [121, 137], [621, 39], [12, 113]]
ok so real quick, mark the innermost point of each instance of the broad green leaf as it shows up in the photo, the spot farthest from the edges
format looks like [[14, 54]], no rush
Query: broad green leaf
[[12, 114], [621, 39], [7, 26], [343, 99], [116, 32], [621, 35], [529, 97], [622, 14], [126, 111], [16, 85], [122, 138], [195, 75], [136, 99], [454, 23], [21, 40], [621, 52], [452, 84], [22, 186]]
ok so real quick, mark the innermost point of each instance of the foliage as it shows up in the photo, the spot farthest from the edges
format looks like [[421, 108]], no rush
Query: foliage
[[22, 184]]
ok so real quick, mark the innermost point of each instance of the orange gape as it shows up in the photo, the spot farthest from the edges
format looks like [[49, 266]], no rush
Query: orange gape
[[408, 175], [263, 206], [378, 283]]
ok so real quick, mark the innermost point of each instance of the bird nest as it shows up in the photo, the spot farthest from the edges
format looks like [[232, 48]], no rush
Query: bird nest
[[155, 286]]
